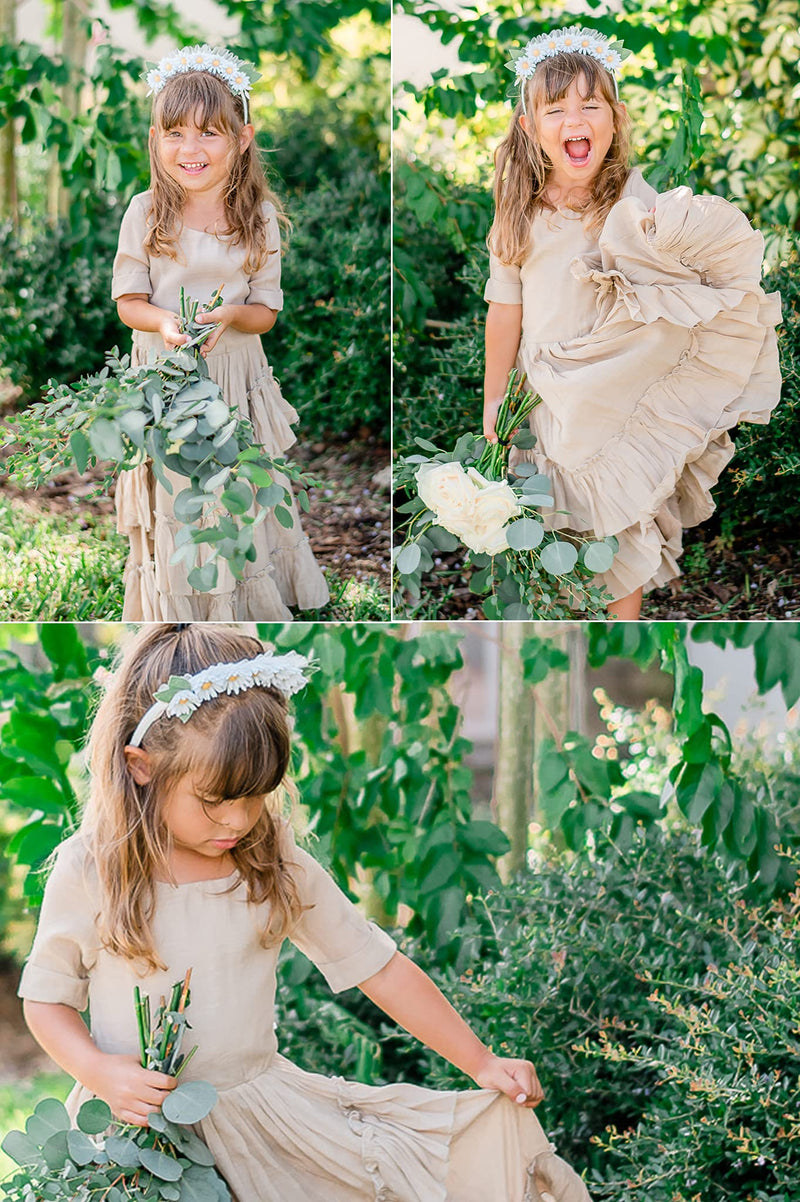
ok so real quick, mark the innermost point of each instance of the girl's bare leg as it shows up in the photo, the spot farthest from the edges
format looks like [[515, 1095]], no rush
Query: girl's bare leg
[[627, 609]]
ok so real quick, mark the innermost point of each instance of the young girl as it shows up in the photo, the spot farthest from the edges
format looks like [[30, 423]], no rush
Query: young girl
[[183, 861], [209, 219], [639, 318]]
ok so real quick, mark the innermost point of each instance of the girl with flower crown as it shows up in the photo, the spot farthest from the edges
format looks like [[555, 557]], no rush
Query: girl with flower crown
[[183, 860], [208, 219], [639, 318]]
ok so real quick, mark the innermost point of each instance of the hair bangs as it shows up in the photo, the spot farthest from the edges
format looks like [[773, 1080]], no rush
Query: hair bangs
[[242, 751], [553, 78], [196, 98]]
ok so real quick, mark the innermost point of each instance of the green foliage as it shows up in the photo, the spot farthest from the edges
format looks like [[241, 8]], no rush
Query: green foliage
[[47, 707], [333, 345], [56, 318], [120, 1160], [170, 411]]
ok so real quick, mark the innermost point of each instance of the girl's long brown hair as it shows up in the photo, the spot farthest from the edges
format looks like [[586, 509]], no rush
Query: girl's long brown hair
[[522, 167], [198, 96], [233, 746]]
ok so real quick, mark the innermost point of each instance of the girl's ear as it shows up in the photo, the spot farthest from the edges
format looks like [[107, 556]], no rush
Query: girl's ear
[[246, 135], [526, 124], [138, 762]]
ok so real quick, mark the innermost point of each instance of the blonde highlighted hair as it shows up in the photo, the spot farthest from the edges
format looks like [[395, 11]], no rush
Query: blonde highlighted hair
[[522, 168], [234, 746], [199, 97]]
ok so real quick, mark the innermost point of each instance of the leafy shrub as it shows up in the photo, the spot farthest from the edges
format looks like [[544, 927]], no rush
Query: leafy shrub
[[56, 314], [331, 348]]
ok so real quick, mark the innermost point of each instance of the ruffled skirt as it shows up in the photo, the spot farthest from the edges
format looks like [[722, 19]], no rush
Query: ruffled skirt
[[293, 1136], [633, 431], [284, 571]]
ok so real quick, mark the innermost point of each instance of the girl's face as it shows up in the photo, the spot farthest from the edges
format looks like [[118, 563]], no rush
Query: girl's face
[[198, 156], [204, 827], [575, 133]]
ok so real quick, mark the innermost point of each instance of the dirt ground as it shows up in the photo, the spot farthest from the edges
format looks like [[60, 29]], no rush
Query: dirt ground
[[753, 577], [20, 1055]]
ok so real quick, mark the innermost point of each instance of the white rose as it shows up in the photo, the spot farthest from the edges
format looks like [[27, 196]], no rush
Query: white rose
[[447, 490], [495, 505]]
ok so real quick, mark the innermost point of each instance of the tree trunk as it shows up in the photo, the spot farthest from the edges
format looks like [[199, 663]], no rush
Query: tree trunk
[[514, 762], [74, 45], [9, 199]]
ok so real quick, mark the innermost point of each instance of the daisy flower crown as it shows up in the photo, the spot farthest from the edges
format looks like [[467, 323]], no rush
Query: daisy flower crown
[[573, 39], [182, 695], [237, 74]]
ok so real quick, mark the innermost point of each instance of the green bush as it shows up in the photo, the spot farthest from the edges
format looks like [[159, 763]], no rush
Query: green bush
[[56, 314], [331, 348]]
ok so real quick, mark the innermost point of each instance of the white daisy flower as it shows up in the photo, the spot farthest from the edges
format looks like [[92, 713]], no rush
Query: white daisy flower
[[182, 705]]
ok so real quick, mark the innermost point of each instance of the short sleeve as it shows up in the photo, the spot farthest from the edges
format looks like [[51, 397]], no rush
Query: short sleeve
[[346, 948], [131, 263], [65, 946], [504, 286], [636, 185], [265, 284]]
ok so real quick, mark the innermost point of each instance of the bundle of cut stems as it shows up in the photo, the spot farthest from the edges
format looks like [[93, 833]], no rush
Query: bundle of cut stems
[[160, 1037]]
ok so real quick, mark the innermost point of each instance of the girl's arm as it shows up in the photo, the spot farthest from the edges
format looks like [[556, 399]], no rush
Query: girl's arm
[[131, 1091], [409, 996], [503, 333]]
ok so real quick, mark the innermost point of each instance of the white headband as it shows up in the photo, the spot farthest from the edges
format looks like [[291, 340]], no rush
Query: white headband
[[235, 72], [571, 40], [182, 695]]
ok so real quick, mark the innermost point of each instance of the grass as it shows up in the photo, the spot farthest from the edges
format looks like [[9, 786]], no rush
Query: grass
[[19, 1098], [60, 567]]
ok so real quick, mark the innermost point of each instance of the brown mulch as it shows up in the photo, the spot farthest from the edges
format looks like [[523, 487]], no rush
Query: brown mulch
[[753, 576], [20, 1054]]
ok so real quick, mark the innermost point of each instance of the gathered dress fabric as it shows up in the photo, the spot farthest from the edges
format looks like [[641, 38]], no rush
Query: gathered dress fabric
[[279, 1133], [284, 571], [647, 345]]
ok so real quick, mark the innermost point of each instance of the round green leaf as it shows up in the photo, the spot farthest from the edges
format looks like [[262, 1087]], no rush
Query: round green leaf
[[203, 578], [408, 559], [122, 1151], [525, 534], [271, 495], [81, 1148], [160, 1165], [559, 558], [94, 1116], [516, 612], [598, 557], [21, 1148], [55, 1151], [189, 1102], [237, 497]]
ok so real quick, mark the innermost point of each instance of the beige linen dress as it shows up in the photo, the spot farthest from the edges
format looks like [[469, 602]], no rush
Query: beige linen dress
[[647, 345], [285, 571], [281, 1134]]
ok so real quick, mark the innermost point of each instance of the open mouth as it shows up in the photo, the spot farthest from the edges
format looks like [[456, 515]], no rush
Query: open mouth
[[578, 150], [193, 168]]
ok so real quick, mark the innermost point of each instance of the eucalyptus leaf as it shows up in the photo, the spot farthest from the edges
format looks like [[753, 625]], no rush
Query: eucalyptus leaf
[[21, 1148], [160, 1164], [237, 497], [559, 558], [525, 534], [408, 558], [284, 517], [204, 579], [123, 1151], [189, 1102], [81, 1149], [93, 1117], [270, 496], [598, 557]]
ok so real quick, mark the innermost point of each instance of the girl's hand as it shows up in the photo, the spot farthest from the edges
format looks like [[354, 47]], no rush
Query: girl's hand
[[224, 315], [131, 1091], [169, 330], [490, 411], [515, 1078]]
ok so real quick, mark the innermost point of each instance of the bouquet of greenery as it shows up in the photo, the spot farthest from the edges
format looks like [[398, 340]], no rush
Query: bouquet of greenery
[[106, 1161], [468, 497], [170, 412]]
